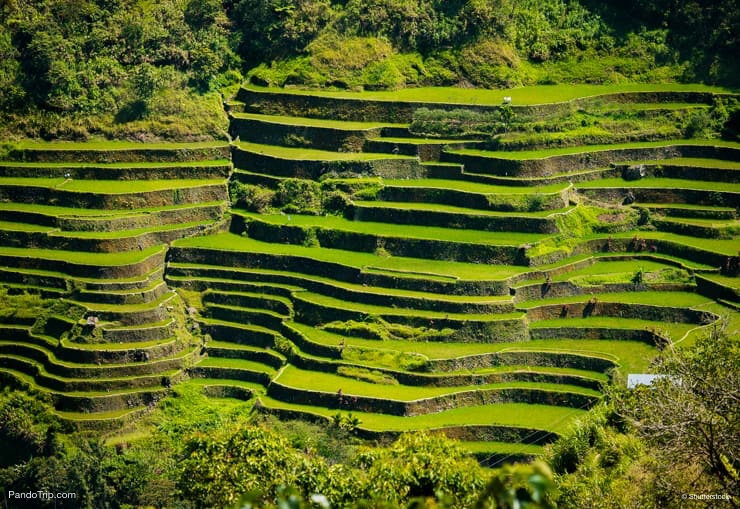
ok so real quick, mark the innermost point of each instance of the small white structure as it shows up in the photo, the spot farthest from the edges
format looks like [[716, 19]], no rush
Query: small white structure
[[507, 99], [635, 379]]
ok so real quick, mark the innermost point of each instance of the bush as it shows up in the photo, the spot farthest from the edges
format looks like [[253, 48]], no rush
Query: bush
[[299, 196], [251, 197], [335, 202]]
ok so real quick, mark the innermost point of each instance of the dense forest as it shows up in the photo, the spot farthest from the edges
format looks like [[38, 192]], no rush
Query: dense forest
[[135, 69]]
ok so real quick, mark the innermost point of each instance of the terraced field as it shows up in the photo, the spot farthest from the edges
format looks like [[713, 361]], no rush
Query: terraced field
[[483, 293], [88, 225]]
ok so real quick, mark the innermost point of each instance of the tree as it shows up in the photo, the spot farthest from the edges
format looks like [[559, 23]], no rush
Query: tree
[[217, 470], [425, 466], [691, 416], [519, 486]]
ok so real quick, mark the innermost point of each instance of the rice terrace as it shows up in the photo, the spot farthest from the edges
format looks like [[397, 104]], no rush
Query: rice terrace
[[488, 264]]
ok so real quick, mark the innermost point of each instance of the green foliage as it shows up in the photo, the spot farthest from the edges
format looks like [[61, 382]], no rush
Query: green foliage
[[423, 466], [21, 306], [373, 376], [285, 347], [336, 445], [594, 462], [374, 327], [25, 424], [67, 66], [689, 416], [250, 197], [458, 122], [300, 196], [217, 469], [335, 202], [346, 422], [514, 486], [385, 358]]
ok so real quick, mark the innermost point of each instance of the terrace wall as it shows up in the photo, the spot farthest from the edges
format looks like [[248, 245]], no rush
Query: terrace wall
[[132, 200], [119, 173], [113, 155], [552, 165], [313, 169], [285, 103], [322, 138]]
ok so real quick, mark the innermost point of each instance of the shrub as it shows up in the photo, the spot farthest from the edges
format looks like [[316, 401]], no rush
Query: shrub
[[367, 375], [299, 196], [250, 197], [335, 202]]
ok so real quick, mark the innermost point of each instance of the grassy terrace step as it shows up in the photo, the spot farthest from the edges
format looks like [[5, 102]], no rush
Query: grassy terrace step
[[112, 193], [555, 178], [604, 326], [241, 315], [699, 227], [496, 454], [479, 192], [472, 187], [134, 295], [661, 183], [381, 230], [63, 281], [427, 149], [508, 415], [239, 333], [291, 376], [691, 162], [720, 246], [633, 356], [343, 248], [132, 264], [483, 374], [275, 303], [65, 212], [72, 218], [674, 299], [91, 401], [531, 95], [314, 122], [229, 242], [69, 359], [605, 269], [20, 234], [690, 211], [223, 362], [585, 149], [308, 154], [113, 415], [357, 308], [548, 162], [448, 216], [118, 151], [434, 207], [328, 135], [106, 186], [47, 380], [210, 169], [298, 282], [226, 349]]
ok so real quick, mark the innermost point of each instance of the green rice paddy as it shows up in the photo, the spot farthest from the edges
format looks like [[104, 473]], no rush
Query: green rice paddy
[[540, 94], [311, 154], [541, 154], [390, 297], [394, 230]]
